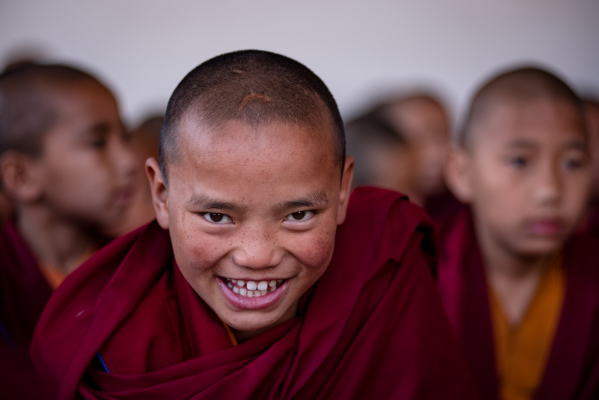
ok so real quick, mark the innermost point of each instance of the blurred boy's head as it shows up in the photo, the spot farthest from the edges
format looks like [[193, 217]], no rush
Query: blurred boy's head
[[252, 183], [591, 113], [381, 154], [522, 162], [62, 145], [144, 144], [425, 125]]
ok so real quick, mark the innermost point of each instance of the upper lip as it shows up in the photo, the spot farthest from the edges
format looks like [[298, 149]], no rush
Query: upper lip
[[255, 279]]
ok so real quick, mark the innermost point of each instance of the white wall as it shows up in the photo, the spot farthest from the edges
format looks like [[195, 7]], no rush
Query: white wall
[[142, 48]]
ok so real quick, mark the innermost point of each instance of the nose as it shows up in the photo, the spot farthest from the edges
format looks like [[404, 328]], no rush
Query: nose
[[549, 185], [257, 249]]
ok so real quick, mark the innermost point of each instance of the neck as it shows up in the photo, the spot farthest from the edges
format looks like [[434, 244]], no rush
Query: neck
[[55, 241]]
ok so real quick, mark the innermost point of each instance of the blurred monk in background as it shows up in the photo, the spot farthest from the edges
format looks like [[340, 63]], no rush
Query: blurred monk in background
[[425, 124], [382, 155], [591, 113], [262, 278], [66, 166], [522, 291], [144, 143]]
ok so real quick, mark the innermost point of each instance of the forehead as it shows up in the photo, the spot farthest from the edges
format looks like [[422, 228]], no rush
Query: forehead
[[540, 121], [265, 150]]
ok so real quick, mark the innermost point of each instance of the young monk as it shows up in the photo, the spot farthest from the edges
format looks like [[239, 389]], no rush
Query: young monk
[[521, 292], [424, 122], [245, 288], [382, 156], [66, 167], [591, 113]]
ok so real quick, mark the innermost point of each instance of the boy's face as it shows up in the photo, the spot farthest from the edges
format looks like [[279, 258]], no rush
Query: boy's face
[[426, 127], [252, 214], [528, 175], [86, 164]]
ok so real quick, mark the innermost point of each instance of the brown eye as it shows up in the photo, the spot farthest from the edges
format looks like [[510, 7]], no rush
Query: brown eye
[[300, 216], [216, 218]]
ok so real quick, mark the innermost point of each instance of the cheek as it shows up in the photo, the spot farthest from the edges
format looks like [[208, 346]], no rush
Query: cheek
[[195, 251], [315, 250]]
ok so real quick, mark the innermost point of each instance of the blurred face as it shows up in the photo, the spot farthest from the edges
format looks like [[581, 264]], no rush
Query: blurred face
[[393, 168], [252, 214], [425, 125], [592, 120], [529, 176], [86, 164]]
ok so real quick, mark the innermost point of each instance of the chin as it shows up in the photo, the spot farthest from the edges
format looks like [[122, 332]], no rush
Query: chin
[[543, 247]]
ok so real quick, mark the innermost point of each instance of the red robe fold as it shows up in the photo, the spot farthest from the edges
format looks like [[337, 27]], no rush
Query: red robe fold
[[572, 370], [23, 294], [371, 327]]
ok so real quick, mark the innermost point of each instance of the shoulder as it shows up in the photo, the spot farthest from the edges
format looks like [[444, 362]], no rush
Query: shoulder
[[382, 223], [94, 296]]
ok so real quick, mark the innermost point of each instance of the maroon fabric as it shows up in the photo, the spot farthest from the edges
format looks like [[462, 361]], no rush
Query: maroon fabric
[[371, 327], [572, 370], [23, 294], [441, 207]]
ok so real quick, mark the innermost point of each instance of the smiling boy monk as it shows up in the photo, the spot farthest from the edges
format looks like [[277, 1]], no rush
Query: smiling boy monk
[[66, 166], [246, 288], [520, 291]]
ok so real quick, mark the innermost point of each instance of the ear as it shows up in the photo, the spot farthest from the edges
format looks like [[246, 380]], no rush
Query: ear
[[159, 192], [458, 173], [20, 177], [348, 176]]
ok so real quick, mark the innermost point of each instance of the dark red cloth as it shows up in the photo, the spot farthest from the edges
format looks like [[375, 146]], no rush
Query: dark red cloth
[[23, 294], [371, 327], [572, 370], [441, 207]]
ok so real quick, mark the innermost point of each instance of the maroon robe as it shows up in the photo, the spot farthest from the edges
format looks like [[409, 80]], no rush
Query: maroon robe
[[23, 294], [572, 369], [371, 327]]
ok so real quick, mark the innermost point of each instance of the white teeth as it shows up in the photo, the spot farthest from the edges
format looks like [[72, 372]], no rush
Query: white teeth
[[251, 288]]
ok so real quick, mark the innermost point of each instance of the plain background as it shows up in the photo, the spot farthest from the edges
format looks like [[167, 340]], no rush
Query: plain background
[[361, 49]]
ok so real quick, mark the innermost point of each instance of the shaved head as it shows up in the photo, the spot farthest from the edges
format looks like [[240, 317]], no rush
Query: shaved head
[[253, 87], [515, 87], [27, 109]]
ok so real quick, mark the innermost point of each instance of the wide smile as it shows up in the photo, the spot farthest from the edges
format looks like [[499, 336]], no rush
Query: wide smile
[[247, 294]]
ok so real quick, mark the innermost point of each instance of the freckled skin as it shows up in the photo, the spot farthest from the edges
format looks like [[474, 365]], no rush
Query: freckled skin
[[256, 169]]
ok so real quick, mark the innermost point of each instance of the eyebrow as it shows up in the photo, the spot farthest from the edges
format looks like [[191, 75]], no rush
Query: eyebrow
[[522, 144], [570, 144], [313, 200], [209, 203]]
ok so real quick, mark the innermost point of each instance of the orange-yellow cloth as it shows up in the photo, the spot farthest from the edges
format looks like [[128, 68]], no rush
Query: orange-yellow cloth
[[229, 333], [53, 275], [522, 350]]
